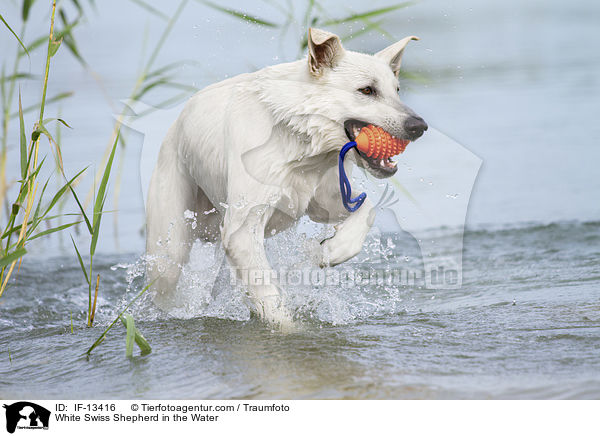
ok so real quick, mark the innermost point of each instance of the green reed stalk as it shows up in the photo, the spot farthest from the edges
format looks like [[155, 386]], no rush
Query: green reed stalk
[[30, 186]]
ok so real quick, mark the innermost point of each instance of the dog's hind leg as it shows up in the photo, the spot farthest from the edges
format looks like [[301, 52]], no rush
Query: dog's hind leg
[[208, 219], [169, 232]]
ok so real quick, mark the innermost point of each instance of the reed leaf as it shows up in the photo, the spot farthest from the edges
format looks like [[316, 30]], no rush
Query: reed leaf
[[168, 67], [17, 76], [368, 14], [130, 337], [42, 39], [23, 141], [34, 220], [68, 37], [93, 312], [110, 326], [140, 340], [11, 257], [15, 35], [370, 26], [55, 46], [240, 15], [16, 229], [164, 83], [72, 46], [54, 99], [26, 7], [87, 279], [53, 230], [61, 192], [151, 9], [101, 197], [163, 36], [85, 217], [60, 120]]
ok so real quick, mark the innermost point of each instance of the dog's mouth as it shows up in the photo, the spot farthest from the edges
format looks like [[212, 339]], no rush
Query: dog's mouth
[[380, 168]]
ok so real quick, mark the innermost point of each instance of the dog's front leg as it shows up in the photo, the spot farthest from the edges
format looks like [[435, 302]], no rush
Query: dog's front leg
[[243, 240], [349, 236]]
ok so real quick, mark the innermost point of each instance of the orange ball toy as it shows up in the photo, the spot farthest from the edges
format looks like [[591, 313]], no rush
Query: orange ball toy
[[376, 143]]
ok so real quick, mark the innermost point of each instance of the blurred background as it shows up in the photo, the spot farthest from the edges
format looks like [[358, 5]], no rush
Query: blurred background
[[516, 83]]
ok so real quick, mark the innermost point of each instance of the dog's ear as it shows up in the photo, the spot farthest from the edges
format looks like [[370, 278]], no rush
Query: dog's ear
[[324, 49], [393, 54]]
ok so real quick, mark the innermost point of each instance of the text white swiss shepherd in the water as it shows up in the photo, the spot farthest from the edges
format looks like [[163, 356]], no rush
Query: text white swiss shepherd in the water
[[252, 154]]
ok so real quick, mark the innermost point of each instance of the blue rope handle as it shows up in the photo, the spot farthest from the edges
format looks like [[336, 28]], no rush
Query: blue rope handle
[[345, 188]]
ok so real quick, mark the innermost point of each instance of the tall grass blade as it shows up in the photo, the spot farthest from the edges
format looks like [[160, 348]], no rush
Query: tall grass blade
[[54, 99], [11, 257], [365, 29], [164, 83], [17, 76], [87, 279], [42, 39], [163, 36], [130, 339], [26, 7], [140, 340], [53, 230], [103, 335], [15, 35], [100, 198], [61, 192], [93, 312], [16, 229], [404, 191], [47, 69], [68, 38], [151, 9], [241, 15], [307, 14], [36, 214], [23, 141], [85, 218], [368, 14], [169, 67]]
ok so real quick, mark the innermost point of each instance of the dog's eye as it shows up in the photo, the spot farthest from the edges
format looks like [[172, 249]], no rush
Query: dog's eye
[[367, 90]]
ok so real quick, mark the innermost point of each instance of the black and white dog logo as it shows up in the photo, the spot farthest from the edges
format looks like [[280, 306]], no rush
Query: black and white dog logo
[[26, 415]]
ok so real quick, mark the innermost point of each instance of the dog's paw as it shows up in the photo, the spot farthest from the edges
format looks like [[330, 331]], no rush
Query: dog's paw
[[334, 252], [272, 311]]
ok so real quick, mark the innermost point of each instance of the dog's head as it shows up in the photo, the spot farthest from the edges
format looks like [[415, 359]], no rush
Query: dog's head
[[362, 89]]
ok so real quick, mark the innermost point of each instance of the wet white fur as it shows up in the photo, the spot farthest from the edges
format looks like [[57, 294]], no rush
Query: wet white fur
[[254, 153]]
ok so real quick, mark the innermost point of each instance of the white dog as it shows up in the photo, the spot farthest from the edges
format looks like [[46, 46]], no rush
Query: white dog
[[254, 153]]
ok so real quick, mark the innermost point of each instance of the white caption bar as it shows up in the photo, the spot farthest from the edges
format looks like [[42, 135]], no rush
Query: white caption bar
[[246, 417]]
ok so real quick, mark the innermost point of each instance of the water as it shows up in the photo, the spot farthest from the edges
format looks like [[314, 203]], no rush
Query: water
[[527, 328], [516, 83]]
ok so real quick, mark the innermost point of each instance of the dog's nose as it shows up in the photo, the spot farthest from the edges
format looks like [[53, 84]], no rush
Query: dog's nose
[[415, 126]]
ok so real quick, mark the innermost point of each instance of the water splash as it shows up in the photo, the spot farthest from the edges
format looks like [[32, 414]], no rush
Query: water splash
[[207, 288]]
